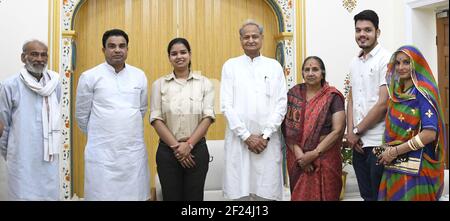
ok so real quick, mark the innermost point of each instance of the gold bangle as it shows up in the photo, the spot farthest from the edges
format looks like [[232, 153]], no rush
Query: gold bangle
[[413, 144], [410, 145], [416, 145], [419, 141]]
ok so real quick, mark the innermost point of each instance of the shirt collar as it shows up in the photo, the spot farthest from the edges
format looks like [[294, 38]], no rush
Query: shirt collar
[[112, 69], [372, 53], [171, 76], [247, 58]]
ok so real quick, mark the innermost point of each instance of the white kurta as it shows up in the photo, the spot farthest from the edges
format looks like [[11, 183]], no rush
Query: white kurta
[[254, 101], [29, 176], [110, 108]]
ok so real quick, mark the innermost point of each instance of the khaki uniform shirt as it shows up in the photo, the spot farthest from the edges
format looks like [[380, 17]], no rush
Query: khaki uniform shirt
[[181, 104]]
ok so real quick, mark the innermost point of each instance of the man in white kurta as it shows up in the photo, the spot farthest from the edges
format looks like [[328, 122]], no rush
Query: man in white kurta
[[253, 100], [30, 112], [110, 105]]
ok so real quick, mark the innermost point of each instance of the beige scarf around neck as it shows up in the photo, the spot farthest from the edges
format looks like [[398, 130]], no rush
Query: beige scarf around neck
[[51, 115]]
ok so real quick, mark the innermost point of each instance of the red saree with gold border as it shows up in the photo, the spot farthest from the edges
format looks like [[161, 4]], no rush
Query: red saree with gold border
[[302, 125]]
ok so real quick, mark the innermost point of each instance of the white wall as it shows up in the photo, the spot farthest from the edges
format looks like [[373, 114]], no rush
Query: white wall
[[330, 31], [20, 20], [421, 27], [424, 28]]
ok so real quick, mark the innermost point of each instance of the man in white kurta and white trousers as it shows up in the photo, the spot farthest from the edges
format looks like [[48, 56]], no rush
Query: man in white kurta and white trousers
[[254, 102], [30, 112], [110, 106]]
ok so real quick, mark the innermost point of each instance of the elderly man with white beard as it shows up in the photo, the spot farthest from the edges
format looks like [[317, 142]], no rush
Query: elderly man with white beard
[[30, 112]]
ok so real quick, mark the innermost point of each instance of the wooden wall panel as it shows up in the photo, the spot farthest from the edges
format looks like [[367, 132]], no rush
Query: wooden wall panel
[[211, 26]]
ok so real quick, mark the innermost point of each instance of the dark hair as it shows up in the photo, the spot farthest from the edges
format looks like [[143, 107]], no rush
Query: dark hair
[[179, 41], [113, 32], [321, 64], [368, 15]]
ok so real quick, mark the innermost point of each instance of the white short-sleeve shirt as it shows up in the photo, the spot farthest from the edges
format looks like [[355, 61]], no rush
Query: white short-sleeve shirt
[[367, 75]]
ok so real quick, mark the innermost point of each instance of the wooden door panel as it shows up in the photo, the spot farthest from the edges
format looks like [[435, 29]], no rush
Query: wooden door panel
[[443, 70]]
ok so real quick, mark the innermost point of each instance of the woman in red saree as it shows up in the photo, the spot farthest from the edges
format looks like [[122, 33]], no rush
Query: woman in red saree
[[313, 129]]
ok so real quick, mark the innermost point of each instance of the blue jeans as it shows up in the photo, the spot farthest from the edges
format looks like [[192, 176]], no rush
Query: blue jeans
[[368, 173]]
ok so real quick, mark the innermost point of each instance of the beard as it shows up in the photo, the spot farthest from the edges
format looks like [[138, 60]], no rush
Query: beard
[[38, 69], [363, 46], [368, 43]]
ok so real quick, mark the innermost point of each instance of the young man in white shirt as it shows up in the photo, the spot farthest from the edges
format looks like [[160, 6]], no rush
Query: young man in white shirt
[[367, 105], [254, 102]]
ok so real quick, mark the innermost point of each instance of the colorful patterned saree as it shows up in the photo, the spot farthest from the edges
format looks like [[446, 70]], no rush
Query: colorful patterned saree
[[302, 125], [409, 112]]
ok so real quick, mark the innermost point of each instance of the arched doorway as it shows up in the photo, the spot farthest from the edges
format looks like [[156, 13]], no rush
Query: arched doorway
[[210, 26]]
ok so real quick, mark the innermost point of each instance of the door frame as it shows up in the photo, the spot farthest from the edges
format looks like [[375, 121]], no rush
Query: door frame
[[288, 20], [442, 76]]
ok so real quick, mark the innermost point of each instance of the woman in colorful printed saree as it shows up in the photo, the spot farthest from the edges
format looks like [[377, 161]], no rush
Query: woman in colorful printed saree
[[414, 135], [313, 130]]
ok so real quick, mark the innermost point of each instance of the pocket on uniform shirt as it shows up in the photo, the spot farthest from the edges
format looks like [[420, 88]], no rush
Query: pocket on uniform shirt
[[165, 104], [196, 104]]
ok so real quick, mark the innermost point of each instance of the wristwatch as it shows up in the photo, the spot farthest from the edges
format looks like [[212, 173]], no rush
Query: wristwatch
[[265, 137], [355, 130]]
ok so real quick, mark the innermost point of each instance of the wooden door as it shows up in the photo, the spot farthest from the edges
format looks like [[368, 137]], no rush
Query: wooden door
[[442, 45], [211, 27]]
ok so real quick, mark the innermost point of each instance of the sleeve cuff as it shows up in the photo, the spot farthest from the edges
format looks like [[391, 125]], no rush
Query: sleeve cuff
[[430, 127], [267, 133], [245, 136], [210, 114], [156, 118], [155, 115]]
